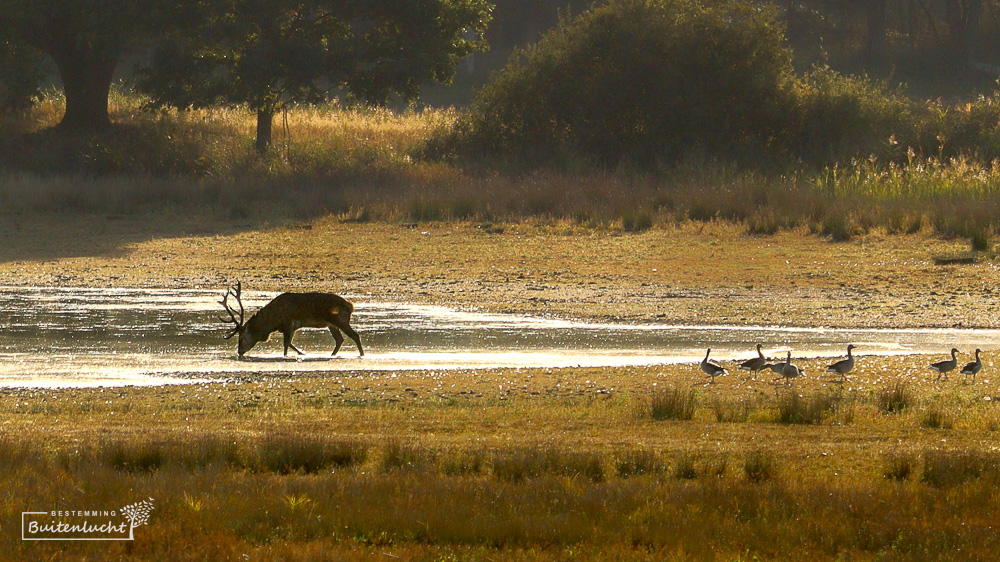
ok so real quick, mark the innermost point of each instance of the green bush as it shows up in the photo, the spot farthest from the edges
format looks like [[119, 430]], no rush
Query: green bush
[[639, 82], [837, 118]]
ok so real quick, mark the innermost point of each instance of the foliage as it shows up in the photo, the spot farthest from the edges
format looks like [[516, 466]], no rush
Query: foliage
[[269, 54], [638, 81], [85, 39], [20, 75], [836, 118]]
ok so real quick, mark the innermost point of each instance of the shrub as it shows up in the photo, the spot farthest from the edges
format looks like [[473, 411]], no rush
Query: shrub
[[641, 82], [673, 404], [839, 117]]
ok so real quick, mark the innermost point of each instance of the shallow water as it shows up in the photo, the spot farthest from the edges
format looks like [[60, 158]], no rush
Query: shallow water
[[74, 337]]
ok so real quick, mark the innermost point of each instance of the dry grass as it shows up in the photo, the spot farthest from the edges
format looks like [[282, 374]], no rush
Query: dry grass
[[673, 404], [367, 164], [352, 466]]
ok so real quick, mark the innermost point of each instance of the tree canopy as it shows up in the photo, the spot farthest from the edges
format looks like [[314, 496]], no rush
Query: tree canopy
[[267, 54]]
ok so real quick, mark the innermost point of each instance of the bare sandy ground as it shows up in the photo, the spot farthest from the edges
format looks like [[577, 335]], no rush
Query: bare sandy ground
[[688, 274]]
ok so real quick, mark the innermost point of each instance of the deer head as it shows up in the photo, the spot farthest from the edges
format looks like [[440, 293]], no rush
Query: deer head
[[239, 325]]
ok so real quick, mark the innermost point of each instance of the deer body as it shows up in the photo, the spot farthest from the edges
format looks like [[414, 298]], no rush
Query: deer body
[[290, 311]]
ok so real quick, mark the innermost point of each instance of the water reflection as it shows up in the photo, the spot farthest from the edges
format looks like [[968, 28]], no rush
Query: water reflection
[[87, 337]]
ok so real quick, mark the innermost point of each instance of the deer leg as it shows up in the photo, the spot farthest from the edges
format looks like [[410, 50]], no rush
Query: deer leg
[[288, 343], [354, 336], [338, 337]]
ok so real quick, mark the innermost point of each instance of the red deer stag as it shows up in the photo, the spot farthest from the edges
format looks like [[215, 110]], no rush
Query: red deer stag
[[287, 313]]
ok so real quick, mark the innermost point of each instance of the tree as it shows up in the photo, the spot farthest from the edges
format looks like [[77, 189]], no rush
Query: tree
[[20, 75], [963, 18], [269, 54], [875, 47], [86, 39]]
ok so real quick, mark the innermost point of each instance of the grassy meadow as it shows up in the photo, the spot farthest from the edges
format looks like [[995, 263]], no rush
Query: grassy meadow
[[643, 463], [634, 463]]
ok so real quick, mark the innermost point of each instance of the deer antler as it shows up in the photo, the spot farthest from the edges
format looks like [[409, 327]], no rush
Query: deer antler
[[231, 311]]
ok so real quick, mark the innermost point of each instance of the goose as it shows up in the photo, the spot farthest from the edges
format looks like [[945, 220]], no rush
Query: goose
[[755, 364], [973, 368], [843, 366], [790, 371], [711, 368], [944, 367]]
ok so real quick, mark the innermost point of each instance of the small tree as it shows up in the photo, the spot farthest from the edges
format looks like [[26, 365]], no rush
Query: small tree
[[268, 54]]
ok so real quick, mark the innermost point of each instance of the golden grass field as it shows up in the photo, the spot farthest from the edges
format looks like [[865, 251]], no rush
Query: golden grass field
[[617, 463], [521, 464]]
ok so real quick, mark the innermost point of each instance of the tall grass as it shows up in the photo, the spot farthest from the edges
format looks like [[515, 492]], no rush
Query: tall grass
[[735, 410], [366, 164], [943, 468], [759, 465], [217, 497], [524, 463], [899, 465], [638, 462], [673, 404], [794, 408], [894, 398]]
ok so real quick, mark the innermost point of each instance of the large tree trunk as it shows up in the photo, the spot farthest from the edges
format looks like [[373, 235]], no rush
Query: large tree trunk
[[963, 24], [875, 45], [86, 78], [265, 117]]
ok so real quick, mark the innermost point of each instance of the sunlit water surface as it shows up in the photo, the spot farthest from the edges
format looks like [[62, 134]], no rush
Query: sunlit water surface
[[76, 337]]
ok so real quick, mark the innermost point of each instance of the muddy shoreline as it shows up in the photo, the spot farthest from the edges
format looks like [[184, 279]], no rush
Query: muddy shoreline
[[687, 275]]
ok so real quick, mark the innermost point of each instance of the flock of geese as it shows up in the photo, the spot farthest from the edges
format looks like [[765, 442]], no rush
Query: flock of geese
[[790, 371]]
